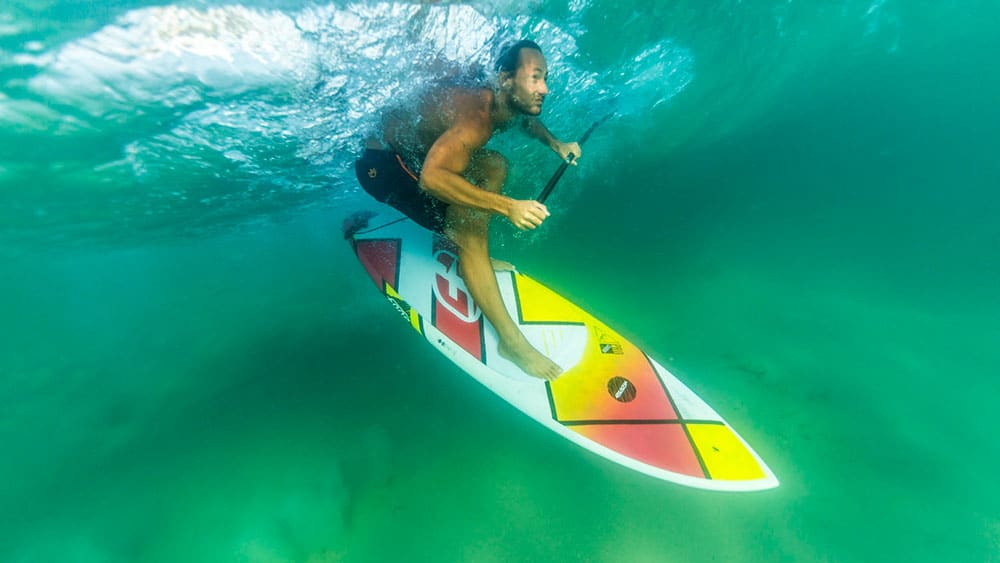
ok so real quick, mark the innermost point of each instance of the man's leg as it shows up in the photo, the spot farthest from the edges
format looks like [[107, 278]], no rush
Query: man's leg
[[469, 229]]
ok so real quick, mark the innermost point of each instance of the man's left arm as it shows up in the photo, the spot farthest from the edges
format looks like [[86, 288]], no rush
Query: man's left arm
[[535, 128]]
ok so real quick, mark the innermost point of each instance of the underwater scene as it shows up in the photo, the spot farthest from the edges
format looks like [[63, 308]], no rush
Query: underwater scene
[[793, 208]]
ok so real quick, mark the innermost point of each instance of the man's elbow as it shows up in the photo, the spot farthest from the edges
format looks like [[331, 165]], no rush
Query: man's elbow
[[429, 181]]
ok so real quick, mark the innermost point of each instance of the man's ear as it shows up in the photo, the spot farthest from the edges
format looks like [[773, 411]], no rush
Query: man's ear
[[505, 78]]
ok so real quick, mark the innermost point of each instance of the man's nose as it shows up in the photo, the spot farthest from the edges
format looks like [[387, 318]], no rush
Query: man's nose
[[544, 90]]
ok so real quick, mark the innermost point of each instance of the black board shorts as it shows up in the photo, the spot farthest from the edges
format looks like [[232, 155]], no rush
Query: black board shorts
[[383, 175]]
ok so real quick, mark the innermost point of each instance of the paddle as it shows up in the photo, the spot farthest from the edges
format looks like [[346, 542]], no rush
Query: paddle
[[547, 190]]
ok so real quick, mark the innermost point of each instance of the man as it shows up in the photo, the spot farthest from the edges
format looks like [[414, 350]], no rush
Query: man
[[459, 184]]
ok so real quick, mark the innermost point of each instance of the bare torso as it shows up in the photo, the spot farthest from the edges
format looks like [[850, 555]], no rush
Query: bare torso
[[411, 131]]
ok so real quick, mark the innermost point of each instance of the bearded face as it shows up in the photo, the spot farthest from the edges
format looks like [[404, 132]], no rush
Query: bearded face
[[527, 86]]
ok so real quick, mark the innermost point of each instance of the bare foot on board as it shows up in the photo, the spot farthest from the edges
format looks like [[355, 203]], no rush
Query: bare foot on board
[[530, 360]]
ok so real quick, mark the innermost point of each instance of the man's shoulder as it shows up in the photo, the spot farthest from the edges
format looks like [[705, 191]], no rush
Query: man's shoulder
[[474, 96], [472, 104]]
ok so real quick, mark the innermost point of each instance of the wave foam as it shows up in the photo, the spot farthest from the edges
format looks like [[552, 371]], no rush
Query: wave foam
[[176, 56]]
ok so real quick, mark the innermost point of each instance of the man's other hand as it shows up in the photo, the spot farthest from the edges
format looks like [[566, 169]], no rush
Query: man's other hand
[[566, 149]]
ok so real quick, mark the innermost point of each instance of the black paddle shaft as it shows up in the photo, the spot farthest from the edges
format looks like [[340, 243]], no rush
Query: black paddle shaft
[[547, 190]]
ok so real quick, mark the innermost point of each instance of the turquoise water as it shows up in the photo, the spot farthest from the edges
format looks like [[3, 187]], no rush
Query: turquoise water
[[794, 210]]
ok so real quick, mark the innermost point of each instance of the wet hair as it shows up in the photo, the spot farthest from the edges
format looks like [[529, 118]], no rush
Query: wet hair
[[511, 55]]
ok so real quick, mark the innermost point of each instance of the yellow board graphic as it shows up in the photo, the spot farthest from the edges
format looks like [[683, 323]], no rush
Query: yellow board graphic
[[540, 304], [723, 454]]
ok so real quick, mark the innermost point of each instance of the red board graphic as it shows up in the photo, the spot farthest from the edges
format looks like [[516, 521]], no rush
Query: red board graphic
[[380, 258], [661, 445], [454, 312]]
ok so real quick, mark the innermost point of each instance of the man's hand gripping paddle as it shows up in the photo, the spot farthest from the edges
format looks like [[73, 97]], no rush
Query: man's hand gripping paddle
[[547, 190]]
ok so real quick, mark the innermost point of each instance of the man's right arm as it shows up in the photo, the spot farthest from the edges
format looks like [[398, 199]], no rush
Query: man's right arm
[[441, 176], [446, 161]]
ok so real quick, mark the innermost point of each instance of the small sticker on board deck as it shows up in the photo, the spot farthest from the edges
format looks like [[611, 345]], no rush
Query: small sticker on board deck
[[608, 344], [611, 348], [621, 389]]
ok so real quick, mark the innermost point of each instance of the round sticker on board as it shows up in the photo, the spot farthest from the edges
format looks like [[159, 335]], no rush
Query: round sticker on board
[[621, 389]]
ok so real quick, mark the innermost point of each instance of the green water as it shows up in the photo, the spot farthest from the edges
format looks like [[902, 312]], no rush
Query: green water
[[795, 211]]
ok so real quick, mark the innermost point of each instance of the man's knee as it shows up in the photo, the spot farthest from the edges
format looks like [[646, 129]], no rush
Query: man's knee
[[493, 161], [468, 240], [489, 167]]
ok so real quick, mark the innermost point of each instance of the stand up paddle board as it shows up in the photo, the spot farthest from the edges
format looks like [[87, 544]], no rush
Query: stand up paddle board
[[612, 398]]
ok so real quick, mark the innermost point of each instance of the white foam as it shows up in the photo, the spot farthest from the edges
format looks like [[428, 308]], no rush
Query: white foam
[[164, 54], [239, 85]]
